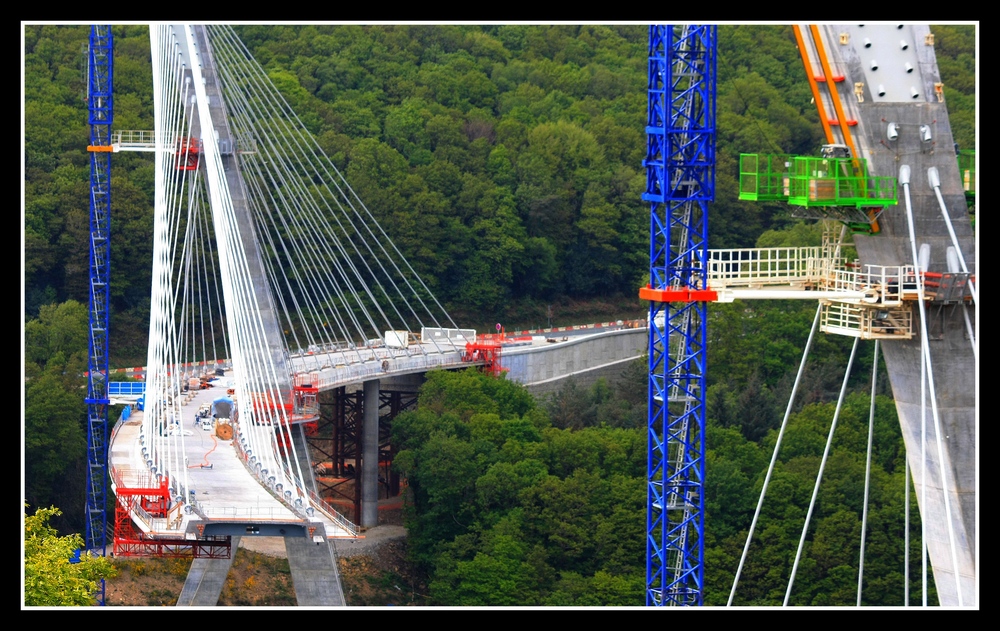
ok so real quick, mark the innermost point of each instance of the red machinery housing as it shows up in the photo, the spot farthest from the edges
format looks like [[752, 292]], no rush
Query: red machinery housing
[[188, 154]]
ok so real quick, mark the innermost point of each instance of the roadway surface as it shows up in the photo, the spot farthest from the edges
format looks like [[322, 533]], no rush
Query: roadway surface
[[223, 489]]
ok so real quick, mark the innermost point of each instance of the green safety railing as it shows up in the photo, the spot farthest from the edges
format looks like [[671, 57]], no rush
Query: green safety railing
[[764, 177], [838, 182], [811, 181]]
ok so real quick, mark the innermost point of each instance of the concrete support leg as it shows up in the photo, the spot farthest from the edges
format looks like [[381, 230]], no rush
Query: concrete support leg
[[206, 579], [314, 573], [369, 456]]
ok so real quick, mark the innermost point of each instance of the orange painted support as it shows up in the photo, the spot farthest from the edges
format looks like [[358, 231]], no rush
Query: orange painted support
[[678, 295], [210, 548], [154, 499], [834, 96], [100, 148], [812, 84], [188, 154]]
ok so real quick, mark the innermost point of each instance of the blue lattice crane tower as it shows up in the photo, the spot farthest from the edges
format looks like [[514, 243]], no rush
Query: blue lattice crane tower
[[680, 182], [101, 113]]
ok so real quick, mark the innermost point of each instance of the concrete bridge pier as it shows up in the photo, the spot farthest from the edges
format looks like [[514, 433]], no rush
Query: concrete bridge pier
[[369, 455], [205, 580]]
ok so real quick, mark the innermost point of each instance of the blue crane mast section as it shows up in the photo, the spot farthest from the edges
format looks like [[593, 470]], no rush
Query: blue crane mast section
[[101, 114], [680, 182]]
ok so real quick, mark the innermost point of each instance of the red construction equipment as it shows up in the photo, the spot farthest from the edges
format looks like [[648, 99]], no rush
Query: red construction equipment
[[487, 350], [188, 154]]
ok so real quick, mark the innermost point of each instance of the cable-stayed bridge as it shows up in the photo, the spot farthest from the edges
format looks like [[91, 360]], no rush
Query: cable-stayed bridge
[[264, 255]]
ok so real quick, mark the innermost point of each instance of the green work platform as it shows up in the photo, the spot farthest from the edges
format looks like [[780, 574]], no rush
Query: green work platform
[[810, 181]]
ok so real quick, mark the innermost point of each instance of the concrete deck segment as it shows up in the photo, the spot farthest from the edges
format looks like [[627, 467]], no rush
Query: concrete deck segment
[[226, 494]]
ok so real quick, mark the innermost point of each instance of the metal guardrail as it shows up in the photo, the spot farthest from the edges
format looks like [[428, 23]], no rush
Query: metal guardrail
[[272, 512], [888, 284], [333, 514], [137, 138], [751, 266], [330, 512], [866, 322], [328, 373]]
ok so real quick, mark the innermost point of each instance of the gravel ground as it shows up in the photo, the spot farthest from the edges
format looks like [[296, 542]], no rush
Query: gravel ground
[[275, 546]]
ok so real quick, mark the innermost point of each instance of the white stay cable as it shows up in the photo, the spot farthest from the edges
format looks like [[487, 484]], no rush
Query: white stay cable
[[935, 182], [923, 469], [904, 179], [162, 421], [868, 473], [324, 164], [774, 455], [212, 287], [257, 378], [819, 474], [296, 193], [906, 532]]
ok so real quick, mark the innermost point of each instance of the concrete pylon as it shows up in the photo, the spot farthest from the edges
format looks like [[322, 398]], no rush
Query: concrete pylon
[[921, 138]]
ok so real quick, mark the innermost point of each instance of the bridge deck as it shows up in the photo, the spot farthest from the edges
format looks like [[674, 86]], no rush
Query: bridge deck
[[224, 490], [227, 496]]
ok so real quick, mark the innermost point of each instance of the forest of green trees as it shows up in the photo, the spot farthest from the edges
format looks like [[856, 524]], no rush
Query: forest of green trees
[[516, 502], [517, 151]]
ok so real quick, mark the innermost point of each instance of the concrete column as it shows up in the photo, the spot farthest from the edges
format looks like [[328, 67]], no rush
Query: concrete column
[[369, 456]]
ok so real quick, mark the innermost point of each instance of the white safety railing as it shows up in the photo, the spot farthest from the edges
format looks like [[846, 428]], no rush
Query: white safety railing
[[241, 512], [333, 515], [866, 322], [759, 266], [458, 336], [317, 502], [808, 266], [326, 371], [885, 284], [136, 139]]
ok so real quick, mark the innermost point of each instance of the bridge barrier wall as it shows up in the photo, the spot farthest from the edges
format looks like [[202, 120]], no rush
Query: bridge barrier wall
[[544, 368]]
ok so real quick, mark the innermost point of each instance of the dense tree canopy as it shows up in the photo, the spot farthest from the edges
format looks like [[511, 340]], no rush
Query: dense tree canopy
[[56, 574], [54, 413], [504, 160], [507, 509]]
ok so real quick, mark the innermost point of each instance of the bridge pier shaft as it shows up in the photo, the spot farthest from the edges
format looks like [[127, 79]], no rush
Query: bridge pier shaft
[[369, 455]]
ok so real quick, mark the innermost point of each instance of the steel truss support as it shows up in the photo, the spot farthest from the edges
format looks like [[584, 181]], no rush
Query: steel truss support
[[154, 500], [391, 404], [337, 441], [178, 548], [100, 71], [680, 182]]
